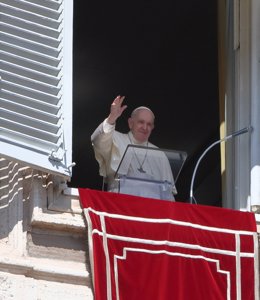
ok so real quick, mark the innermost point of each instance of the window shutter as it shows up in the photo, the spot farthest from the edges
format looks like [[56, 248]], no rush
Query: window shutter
[[36, 83]]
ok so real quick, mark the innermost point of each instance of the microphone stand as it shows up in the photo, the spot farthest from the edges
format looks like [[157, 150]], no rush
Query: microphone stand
[[237, 133]]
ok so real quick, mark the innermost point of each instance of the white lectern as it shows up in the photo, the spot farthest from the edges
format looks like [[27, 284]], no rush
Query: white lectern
[[149, 172]]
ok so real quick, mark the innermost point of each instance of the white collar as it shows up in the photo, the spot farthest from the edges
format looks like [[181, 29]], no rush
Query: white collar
[[134, 141]]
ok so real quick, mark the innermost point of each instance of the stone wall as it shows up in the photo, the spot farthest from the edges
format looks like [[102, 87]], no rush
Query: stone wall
[[43, 238]]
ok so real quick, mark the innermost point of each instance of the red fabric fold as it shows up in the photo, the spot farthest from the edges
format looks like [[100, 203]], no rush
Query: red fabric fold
[[143, 248]]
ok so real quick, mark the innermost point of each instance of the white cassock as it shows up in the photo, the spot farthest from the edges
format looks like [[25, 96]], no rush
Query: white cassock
[[146, 166]]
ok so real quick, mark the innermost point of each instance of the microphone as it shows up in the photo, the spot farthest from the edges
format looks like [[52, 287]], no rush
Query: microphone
[[235, 134]]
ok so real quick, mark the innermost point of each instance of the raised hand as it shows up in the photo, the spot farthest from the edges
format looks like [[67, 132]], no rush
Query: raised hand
[[116, 109]]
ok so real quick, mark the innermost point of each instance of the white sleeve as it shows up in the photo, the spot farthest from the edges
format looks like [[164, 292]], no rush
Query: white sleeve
[[108, 127]]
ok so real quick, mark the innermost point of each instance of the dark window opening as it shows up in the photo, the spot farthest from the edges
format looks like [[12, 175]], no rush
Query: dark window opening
[[159, 54]]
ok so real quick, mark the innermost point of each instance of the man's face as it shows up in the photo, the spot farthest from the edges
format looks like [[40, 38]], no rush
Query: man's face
[[141, 124]]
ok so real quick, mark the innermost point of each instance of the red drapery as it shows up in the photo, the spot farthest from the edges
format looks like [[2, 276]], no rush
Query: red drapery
[[147, 249]]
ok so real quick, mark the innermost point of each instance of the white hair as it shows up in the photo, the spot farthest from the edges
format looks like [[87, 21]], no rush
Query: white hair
[[139, 108]]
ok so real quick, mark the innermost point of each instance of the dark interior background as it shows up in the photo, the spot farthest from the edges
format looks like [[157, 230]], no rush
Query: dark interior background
[[158, 54]]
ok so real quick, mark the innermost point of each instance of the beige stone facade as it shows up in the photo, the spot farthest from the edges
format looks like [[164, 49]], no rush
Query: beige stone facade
[[43, 238]]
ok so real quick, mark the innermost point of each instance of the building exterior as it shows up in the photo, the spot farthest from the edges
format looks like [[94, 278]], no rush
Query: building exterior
[[43, 233], [43, 243]]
